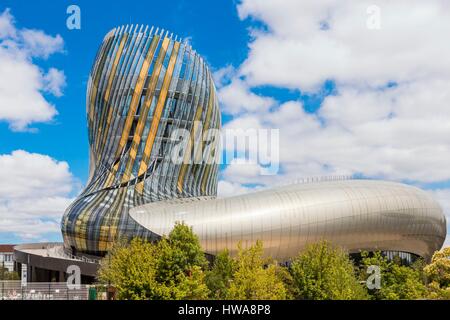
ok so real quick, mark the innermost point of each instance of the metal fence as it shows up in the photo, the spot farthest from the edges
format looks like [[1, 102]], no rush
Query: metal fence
[[13, 290]]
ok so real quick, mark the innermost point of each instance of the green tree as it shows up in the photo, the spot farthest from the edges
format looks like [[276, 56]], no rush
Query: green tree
[[397, 281], [192, 286], [219, 277], [178, 254], [169, 269], [324, 272], [255, 278], [438, 272]]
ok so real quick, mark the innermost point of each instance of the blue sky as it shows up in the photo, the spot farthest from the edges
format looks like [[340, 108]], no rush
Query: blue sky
[[348, 99], [215, 31]]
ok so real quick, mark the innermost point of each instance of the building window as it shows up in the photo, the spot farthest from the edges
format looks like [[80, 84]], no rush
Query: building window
[[7, 257]]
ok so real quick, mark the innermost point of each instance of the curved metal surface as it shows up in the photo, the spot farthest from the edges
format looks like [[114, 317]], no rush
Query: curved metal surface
[[356, 214]]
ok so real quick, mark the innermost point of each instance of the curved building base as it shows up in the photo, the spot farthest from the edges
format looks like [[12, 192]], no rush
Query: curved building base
[[355, 214]]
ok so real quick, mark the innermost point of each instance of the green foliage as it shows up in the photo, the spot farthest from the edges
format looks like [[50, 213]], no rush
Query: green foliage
[[170, 269], [397, 281], [192, 286], [438, 272], [436, 292], [178, 254], [131, 270], [255, 278], [219, 277], [176, 268], [324, 272], [439, 268]]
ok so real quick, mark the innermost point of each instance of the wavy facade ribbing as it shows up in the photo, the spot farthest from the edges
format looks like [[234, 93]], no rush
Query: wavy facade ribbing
[[143, 86], [355, 214]]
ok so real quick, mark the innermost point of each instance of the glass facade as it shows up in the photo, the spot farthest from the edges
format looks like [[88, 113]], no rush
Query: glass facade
[[144, 85]]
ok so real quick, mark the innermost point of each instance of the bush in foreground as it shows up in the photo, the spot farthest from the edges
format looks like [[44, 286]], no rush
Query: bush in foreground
[[248, 276]]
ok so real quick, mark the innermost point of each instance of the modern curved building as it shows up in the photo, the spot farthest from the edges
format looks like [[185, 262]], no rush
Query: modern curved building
[[355, 214], [143, 87]]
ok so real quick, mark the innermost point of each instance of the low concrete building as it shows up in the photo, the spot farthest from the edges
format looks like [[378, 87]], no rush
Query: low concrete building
[[47, 262]]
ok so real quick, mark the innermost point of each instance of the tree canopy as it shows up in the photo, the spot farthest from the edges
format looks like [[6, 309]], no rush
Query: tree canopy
[[169, 269], [254, 277]]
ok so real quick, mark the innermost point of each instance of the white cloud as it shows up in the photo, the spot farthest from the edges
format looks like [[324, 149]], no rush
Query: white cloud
[[389, 115], [237, 98], [23, 83], [7, 28], [224, 75], [34, 193], [228, 189], [243, 173], [298, 53], [21, 99], [55, 80]]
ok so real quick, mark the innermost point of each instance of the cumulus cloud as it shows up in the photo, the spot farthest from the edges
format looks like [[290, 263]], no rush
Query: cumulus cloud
[[24, 84], [34, 193]]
